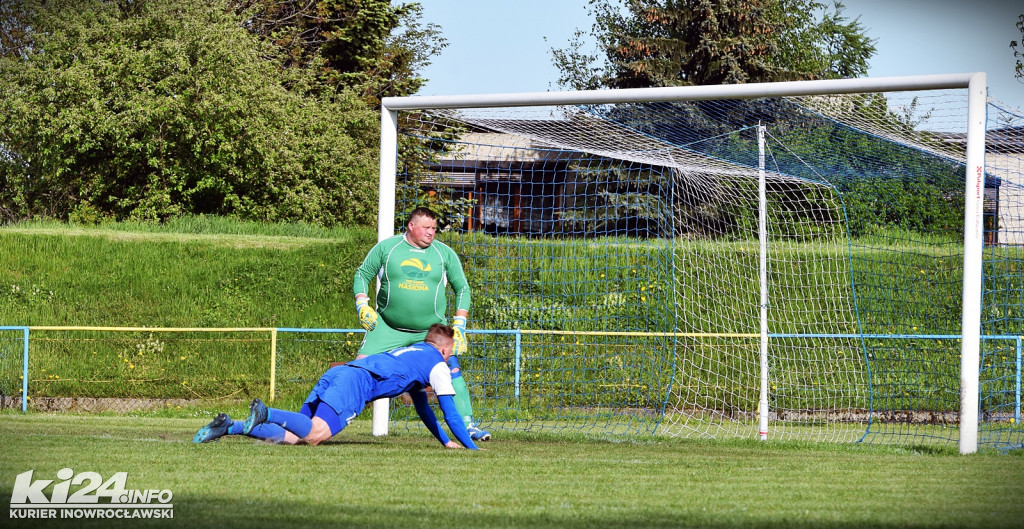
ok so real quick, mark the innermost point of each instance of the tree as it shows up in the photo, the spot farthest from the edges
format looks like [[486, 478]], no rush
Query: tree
[[366, 45], [13, 32], [643, 43], [1017, 54], [151, 109]]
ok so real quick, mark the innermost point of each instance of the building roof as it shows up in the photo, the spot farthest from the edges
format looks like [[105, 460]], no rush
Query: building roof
[[1003, 140]]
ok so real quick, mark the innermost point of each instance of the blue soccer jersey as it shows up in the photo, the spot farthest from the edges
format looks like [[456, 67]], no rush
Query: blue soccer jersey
[[406, 369]]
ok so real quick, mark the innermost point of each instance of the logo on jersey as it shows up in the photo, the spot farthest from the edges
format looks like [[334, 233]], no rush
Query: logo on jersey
[[415, 271]]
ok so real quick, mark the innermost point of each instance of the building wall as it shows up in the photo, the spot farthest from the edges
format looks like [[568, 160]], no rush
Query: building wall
[[1009, 168]]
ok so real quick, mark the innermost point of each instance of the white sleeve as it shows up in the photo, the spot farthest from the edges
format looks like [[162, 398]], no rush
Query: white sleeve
[[441, 379]]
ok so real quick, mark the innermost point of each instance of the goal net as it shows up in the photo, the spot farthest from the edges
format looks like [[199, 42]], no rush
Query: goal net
[[782, 267]]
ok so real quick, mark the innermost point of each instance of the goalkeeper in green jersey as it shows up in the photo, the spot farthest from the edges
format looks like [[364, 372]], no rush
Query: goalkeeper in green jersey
[[413, 270]]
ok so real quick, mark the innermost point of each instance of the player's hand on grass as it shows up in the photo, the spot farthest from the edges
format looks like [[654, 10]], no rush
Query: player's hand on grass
[[453, 444], [460, 345], [367, 316]]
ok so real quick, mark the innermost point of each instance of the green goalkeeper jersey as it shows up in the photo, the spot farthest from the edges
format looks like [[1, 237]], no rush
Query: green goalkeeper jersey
[[412, 282]]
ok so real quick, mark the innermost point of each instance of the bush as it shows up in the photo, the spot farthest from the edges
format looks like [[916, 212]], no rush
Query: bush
[[170, 108]]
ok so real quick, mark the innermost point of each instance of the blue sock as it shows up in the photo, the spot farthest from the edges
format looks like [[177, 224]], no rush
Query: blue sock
[[292, 421], [268, 432], [236, 427]]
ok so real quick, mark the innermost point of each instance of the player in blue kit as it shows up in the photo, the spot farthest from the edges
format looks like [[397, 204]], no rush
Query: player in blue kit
[[343, 391]]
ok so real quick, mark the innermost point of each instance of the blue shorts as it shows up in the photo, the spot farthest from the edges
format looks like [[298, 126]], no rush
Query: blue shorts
[[329, 416], [345, 391]]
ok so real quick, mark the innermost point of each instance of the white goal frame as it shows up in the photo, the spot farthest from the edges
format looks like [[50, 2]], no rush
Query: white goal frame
[[974, 188]]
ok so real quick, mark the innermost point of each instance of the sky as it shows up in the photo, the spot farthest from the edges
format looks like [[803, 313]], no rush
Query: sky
[[503, 46]]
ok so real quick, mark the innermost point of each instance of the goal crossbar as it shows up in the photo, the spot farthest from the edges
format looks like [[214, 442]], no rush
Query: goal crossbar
[[683, 93]]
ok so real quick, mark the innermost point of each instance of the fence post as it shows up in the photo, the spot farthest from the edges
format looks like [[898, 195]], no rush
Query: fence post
[[1016, 408], [24, 373], [273, 362]]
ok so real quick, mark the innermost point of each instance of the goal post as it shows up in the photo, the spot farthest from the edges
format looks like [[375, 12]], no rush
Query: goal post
[[974, 196], [386, 227], [663, 159]]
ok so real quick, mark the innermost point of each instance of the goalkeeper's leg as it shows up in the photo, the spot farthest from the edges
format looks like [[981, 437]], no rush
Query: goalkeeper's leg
[[462, 402]]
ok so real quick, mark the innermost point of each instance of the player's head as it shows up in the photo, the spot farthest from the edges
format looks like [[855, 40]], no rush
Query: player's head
[[441, 336], [422, 227]]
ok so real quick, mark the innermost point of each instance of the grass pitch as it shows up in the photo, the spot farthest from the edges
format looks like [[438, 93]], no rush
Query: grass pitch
[[521, 480]]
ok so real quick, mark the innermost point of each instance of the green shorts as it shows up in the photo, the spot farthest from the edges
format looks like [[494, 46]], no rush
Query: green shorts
[[383, 338]]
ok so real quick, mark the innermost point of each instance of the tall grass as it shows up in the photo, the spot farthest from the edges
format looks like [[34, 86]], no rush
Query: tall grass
[[195, 224], [191, 272], [194, 272]]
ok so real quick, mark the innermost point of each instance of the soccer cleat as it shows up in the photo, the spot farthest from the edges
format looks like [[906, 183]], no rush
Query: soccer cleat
[[477, 434], [217, 428], [257, 416]]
